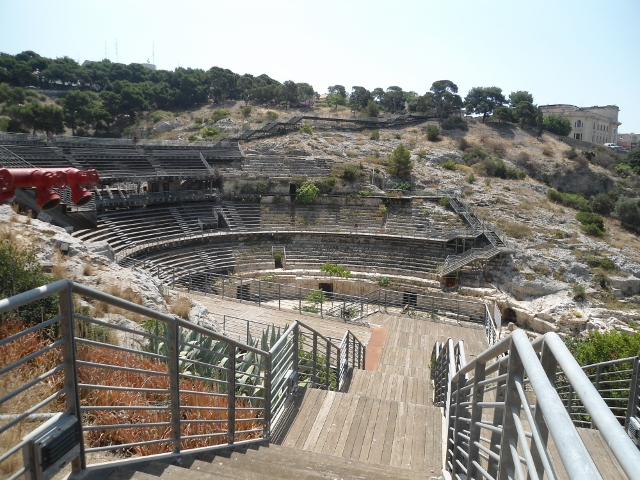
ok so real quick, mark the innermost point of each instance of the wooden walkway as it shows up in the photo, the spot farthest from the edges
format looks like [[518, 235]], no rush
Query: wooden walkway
[[387, 416], [250, 311]]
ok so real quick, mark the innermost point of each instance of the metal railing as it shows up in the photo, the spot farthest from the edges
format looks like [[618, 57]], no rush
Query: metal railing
[[157, 385], [617, 382], [505, 416]]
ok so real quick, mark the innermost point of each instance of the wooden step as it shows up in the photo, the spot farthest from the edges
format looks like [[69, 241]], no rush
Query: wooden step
[[392, 386], [373, 430]]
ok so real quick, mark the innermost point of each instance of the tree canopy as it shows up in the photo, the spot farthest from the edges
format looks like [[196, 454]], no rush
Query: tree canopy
[[400, 164], [482, 100], [556, 124]]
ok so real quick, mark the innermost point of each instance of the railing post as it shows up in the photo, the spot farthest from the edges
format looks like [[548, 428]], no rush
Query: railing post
[[314, 359], [241, 291], [338, 368], [512, 405], [279, 295], [476, 416], [259, 291], [321, 297], [633, 404], [231, 396], [70, 376], [268, 395], [174, 381], [299, 299], [549, 364], [296, 350], [328, 366], [248, 332], [597, 385]]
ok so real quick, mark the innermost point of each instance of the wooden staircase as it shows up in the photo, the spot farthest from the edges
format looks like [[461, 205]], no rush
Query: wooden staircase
[[384, 426]]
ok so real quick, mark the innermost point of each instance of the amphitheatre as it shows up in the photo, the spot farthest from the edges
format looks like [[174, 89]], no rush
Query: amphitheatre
[[423, 275]]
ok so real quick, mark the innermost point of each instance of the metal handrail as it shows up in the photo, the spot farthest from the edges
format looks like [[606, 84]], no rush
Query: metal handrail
[[158, 390], [499, 380]]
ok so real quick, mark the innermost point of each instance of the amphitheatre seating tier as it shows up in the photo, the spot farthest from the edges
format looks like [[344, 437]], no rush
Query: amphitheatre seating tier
[[42, 156], [242, 216], [364, 218], [282, 166], [420, 218], [179, 162], [213, 258], [114, 163], [383, 254]]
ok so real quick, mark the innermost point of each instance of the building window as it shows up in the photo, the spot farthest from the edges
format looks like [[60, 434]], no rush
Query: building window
[[577, 136], [579, 124]]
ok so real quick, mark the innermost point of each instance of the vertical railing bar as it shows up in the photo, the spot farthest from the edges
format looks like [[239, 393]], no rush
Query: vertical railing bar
[[174, 379], [231, 395], [268, 395], [67, 330]]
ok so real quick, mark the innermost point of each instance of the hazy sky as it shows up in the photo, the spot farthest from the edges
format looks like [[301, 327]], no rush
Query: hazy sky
[[562, 51]]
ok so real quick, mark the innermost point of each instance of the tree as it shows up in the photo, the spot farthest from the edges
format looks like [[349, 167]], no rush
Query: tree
[[372, 109], [337, 96], [627, 210], [556, 124], [290, 93], [307, 193], [400, 164], [482, 100], [504, 114], [445, 98], [633, 160], [539, 123], [359, 98], [393, 100], [525, 112], [520, 96]]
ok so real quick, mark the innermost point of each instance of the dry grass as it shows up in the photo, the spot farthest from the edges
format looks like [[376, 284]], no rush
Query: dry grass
[[514, 229], [59, 268], [181, 307], [211, 405], [100, 309], [87, 270], [16, 378]]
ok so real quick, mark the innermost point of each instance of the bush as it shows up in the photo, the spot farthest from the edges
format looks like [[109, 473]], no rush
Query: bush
[[475, 155], [450, 165], [383, 281], [306, 128], [246, 111], [471, 178], [599, 347], [572, 200], [271, 115], [571, 153], [209, 132], [445, 202], [588, 218], [307, 193], [463, 144], [579, 292], [350, 172], [627, 210], [600, 262], [371, 110], [405, 186], [604, 203], [400, 164], [453, 123], [219, 114], [497, 168], [433, 133], [592, 229], [374, 135], [556, 124], [365, 192]]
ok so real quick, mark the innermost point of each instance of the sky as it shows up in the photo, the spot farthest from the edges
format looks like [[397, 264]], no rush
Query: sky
[[582, 53]]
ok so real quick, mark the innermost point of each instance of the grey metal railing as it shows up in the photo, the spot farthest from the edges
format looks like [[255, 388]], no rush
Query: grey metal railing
[[505, 416], [157, 385]]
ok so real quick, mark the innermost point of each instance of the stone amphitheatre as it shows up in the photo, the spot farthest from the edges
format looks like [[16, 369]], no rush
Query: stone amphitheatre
[[450, 253]]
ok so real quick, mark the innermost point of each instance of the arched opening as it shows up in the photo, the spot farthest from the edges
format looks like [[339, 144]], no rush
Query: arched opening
[[292, 189], [509, 316]]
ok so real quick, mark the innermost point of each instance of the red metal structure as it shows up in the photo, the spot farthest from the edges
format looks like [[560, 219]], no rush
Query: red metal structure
[[44, 180]]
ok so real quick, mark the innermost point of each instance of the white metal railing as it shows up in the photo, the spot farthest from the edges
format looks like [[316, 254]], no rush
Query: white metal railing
[[505, 415], [164, 387]]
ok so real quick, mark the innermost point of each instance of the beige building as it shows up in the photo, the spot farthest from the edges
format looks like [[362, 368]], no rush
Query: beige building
[[590, 124], [629, 139]]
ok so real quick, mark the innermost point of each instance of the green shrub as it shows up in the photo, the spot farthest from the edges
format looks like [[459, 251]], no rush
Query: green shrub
[[365, 192], [306, 128], [572, 200], [383, 281], [588, 218], [627, 210], [445, 202], [271, 115], [592, 229], [449, 165], [400, 164], [604, 203], [579, 292], [471, 178], [350, 172], [433, 133], [372, 109], [600, 262], [307, 193], [453, 123], [333, 269], [374, 135], [475, 155], [246, 111], [209, 132], [219, 114], [406, 186]]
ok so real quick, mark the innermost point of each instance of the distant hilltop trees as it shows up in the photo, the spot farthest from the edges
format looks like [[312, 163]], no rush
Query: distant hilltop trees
[[99, 94]]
